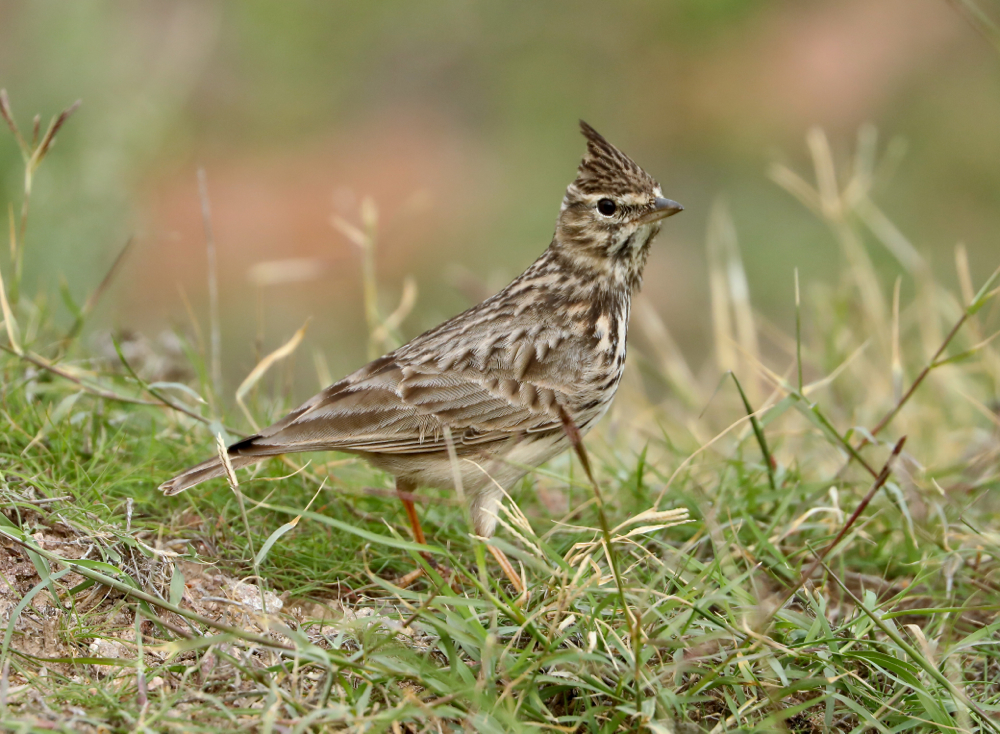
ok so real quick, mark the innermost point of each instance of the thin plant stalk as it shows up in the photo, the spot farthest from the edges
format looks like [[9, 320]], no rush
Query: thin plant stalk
[[634, 622], [215, 330], [33, 155]]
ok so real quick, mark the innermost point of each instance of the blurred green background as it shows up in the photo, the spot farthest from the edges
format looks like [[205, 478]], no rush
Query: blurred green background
[[459, 120]]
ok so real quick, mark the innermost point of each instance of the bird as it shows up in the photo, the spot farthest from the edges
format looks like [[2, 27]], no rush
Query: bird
[[485, 397]]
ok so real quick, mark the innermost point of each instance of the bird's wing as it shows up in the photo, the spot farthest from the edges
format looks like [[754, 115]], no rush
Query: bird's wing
[[401, 404]]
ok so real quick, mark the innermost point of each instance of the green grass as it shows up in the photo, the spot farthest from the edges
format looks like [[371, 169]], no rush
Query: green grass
[[632, 622]]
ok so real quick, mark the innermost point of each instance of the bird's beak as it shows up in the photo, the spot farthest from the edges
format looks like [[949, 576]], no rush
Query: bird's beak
[[662, 208]]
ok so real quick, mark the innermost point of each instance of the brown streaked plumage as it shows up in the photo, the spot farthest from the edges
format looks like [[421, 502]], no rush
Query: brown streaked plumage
[[498, 375]]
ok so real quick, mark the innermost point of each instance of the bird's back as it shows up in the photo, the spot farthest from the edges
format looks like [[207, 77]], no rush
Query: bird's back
[[501, 371]]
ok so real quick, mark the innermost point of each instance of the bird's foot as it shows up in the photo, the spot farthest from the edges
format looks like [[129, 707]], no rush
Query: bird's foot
[[450, 577]]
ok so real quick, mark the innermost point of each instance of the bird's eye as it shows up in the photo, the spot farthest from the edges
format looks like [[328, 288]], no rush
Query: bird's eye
[[607, 207]]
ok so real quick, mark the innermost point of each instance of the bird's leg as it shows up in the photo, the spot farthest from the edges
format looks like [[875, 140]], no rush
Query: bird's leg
[[507, 567], [405, 489]]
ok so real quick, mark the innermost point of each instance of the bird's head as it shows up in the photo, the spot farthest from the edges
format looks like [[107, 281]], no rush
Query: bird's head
[[610, 213]]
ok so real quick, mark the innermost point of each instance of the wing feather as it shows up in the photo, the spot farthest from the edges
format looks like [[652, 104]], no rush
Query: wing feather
[[399, 406]]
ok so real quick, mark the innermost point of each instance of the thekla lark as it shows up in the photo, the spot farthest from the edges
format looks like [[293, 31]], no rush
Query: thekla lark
[[500, 378]]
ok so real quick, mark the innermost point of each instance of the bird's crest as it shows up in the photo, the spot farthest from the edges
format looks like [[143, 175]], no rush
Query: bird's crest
[[605, 168]]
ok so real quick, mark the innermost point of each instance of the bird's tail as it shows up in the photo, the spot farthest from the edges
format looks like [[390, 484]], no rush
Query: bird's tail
[[204, 471]]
